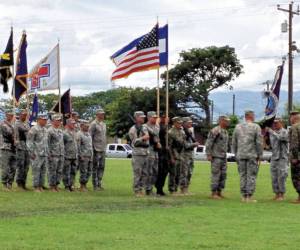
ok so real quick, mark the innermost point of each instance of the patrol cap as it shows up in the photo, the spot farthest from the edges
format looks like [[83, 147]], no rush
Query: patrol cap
[[139, 114], [249, 112], [42, 116], [100, 111], [294, 112], [177, 119], [84, 122], [70, 121], [187, 119], [224, 117], [75, 113], [151, 114], [9, 111], [56, 117], [277, 119], [22, 112]]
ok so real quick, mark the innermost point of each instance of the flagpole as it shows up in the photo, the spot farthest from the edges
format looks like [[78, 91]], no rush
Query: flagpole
[[59, 86], [13, 78], [167, 104], [158, 91]]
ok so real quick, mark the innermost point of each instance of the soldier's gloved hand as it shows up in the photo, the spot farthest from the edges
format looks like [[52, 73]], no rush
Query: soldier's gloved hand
[[258, 161], [196, 144], [33, 156], [158, 145]]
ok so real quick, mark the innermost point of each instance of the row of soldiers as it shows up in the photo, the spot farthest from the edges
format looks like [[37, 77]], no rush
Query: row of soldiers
[[156, 155], [52, 150]]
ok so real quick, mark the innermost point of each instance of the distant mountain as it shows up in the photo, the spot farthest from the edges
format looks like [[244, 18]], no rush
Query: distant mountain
[[246, 100]]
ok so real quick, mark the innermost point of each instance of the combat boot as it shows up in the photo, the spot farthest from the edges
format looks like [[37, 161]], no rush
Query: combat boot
[[220, 195], [83, 188], [275, 198], [251, 200], [215, 196], [139, 194], [37, 190], [53, 189], [280, 197]]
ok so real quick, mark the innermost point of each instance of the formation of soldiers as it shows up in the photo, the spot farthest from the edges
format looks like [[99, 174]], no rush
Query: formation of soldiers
[[159, 152], [54, 151], [58, 153]]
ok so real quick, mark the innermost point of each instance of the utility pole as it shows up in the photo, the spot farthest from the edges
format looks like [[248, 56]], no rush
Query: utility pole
[[290, 53], [233, 104], [212, 112]]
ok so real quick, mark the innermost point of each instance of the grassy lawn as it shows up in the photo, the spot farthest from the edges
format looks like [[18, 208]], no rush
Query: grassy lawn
[[114, 219]]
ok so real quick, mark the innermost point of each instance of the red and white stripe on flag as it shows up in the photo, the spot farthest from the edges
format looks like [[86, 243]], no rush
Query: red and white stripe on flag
[[135, 61]]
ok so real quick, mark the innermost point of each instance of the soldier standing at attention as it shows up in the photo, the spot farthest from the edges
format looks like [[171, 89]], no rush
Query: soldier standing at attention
[[163, 157], [188, 153], [153, 131], [248, 149], [22, 155], [98, 133], [279, 159], [8, 151], [178, 174], [139, 137], [85, 154], [37, 144], [294, 138], [216, 148], [56, 153], [71, 153]]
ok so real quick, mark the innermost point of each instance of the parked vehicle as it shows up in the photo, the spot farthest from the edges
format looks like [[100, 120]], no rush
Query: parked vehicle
[[199, 154], [118, 151]]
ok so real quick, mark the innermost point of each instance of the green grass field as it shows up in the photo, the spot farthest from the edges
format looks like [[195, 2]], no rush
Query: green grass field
[[114, 219]]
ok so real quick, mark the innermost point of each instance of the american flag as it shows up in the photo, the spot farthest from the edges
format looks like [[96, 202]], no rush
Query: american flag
[[143, 56]]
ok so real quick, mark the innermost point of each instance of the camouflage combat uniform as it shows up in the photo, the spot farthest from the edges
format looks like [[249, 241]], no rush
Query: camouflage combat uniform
[[140, 152], [56, 155], [279, 159], [153, 131], [8, 154], [70, 162], [216, 147], [37, 144], [22, 155], [248, 148], [178, 171], [294, 138], [98, 134], [188, 153], [85, 156]]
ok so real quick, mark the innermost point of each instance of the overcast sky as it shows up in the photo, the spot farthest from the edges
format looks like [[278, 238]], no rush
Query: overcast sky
[[90, 31]]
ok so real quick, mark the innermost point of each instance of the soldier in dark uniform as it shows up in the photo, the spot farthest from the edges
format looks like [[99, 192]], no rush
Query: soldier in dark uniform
[[163, 157]]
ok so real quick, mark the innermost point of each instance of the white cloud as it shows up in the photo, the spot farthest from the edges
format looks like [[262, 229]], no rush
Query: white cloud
[[90, 31]]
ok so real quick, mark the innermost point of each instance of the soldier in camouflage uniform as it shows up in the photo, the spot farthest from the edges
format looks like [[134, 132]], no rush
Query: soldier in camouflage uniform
[[188, 152], [216, 148], [56, 153], [247, 146], [279, 160], [153, 130], [71, 153], [294, 139], [8, 151], [98, 133], [139, 137], [22, 154], [75, 116], [178, 173], [37, 144], [85, 154]]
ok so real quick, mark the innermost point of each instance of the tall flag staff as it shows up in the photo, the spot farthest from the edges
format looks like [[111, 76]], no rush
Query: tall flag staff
[[59, 84], [158, 90], [20, 82]]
